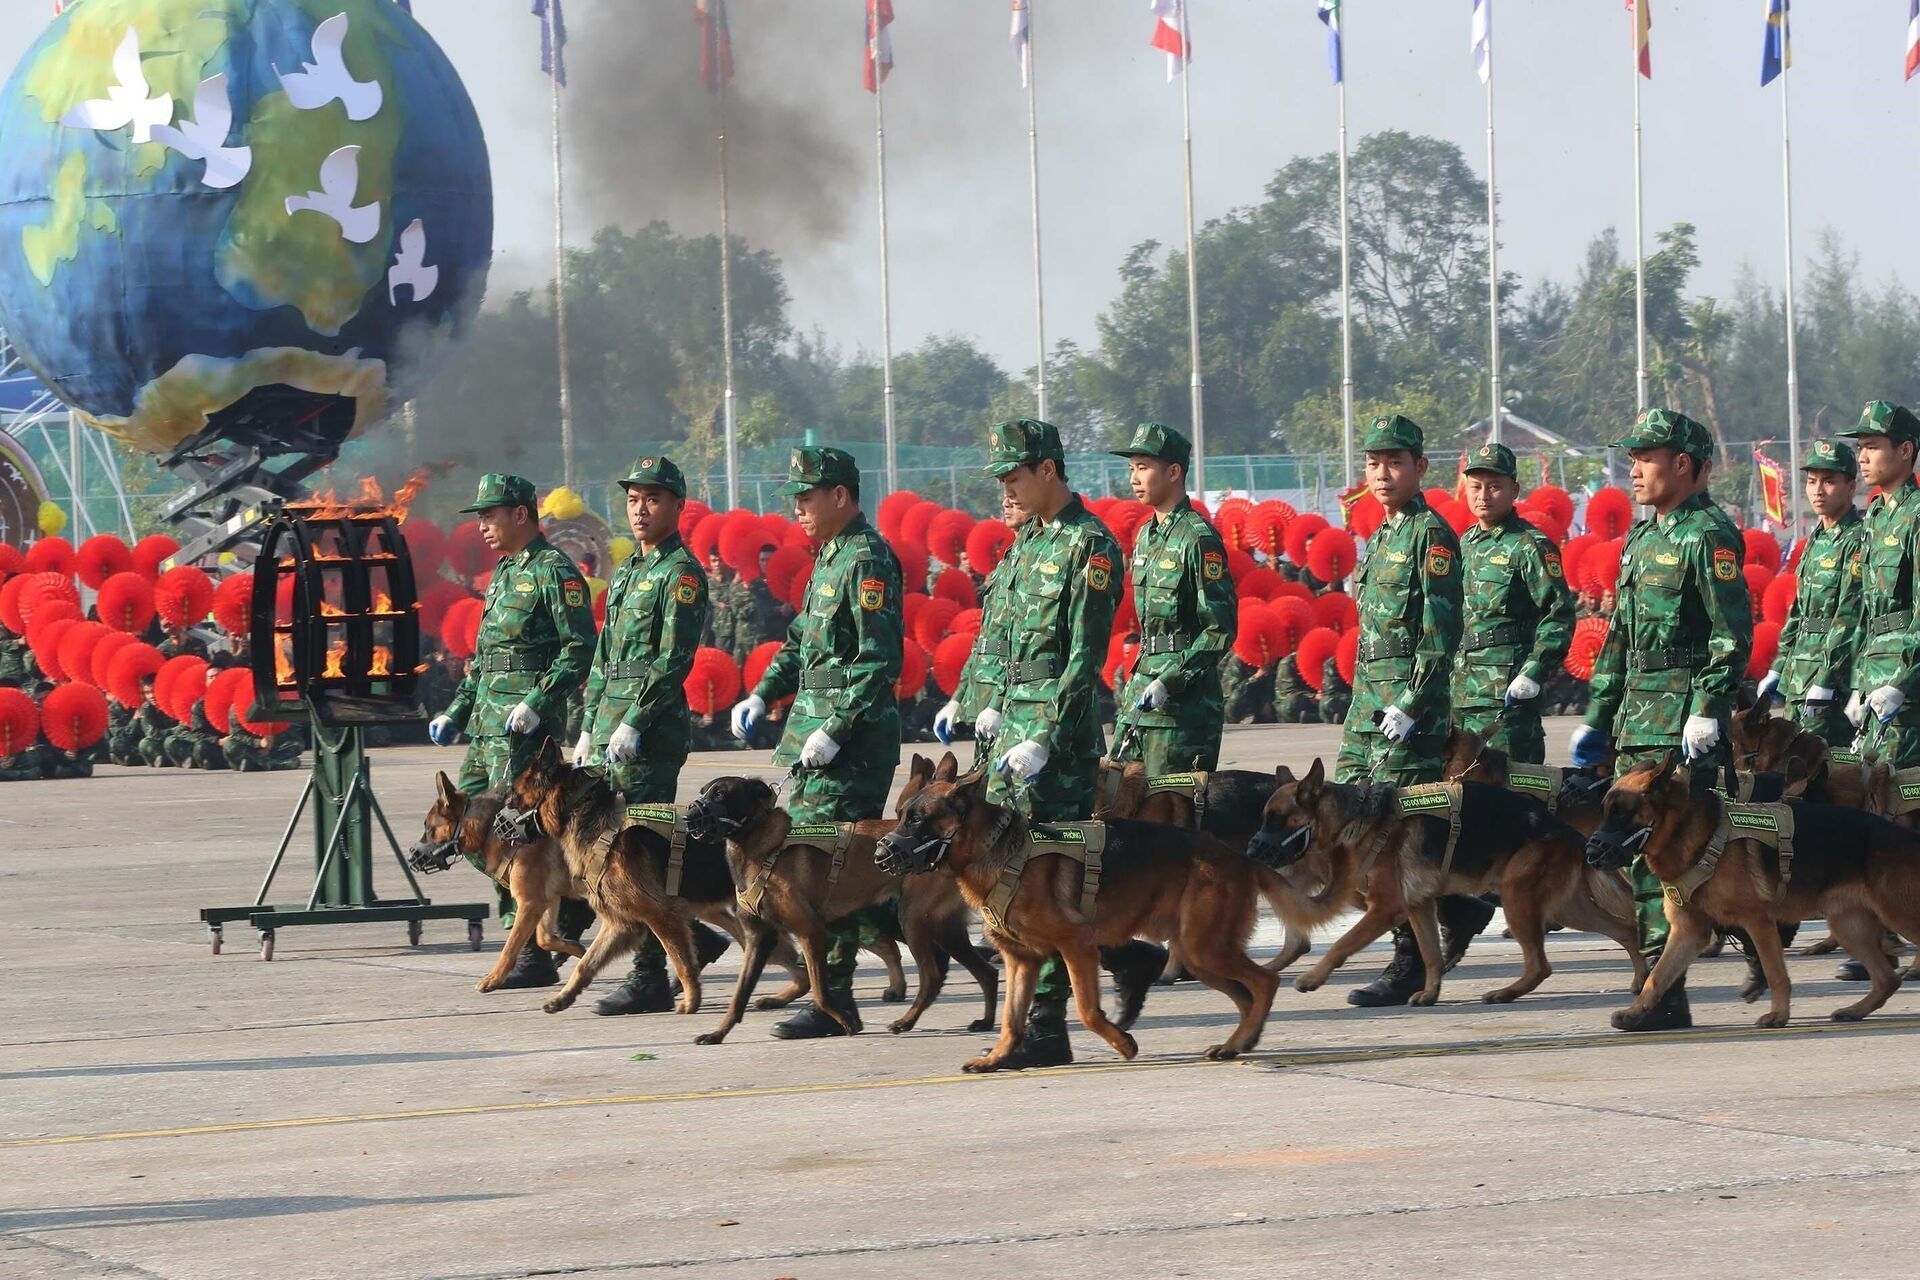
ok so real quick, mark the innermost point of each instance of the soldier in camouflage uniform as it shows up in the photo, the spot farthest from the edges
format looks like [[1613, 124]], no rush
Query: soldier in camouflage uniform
[[840, 660], [1886, 665], [1407, 592], [194, 745], [1676, 651], [758, 616], [1171, 709], [13, 658], [1517, 613], [721, 625], [1823, 624], [155, 727], [985, 669], [535, 645]]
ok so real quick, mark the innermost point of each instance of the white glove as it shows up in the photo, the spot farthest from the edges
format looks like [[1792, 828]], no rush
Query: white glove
[[522, 719], [1856, 710], [818, 751], [1153, 697], [987, 723], [582, 750], [1025, 759], [746, 713], [1819, 693], [1396, 724], [624, 746], [943, 721], [1885, 702], [1523, 688], [1768, 683], [442, 730], [1701, 735]]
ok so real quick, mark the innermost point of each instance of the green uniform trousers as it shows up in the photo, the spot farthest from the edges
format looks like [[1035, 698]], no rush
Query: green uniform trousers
[[1517, 732]]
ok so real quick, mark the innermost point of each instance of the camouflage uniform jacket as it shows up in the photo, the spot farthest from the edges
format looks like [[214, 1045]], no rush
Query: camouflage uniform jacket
[[1407, 592], [1889, 646], [1517, 611], [985, 670], [757, 617], [535, 645], [1681, 633], [1824, 624], [1188, 614], [656, 609]]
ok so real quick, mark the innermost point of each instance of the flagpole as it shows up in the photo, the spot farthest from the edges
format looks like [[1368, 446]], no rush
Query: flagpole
[[1493, 254], [1193, 273], [1639, 231], [560, 267], [886, 302], [1793, 368], [726, 298], [1033, 173], [1346, 286]]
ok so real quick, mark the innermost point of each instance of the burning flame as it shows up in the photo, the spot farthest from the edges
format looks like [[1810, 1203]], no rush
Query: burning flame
[[336, 659], [383, 603], [283, 660], [382, 660], [328, 609], [370, 500]]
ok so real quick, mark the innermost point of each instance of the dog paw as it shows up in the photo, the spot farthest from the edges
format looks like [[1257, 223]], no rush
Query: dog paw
[[1500, 995], [980, 1024], [764, 1003], [710, 1037], [894, 995], [980, 1066], [1770, 1020], [1308, 982], [1221, 1053], [899, 1026], [558, 1003], [1129, 1047], [1423, 999], [686, 1006], [1848, 1013], [485, 985]]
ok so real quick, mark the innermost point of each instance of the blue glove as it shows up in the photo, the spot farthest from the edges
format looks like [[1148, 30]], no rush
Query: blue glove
[[442, 731], [1589, 747]]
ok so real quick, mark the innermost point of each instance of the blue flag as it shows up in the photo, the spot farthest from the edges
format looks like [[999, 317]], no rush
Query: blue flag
[[1777, 55], [553, 38], [1330, 14]]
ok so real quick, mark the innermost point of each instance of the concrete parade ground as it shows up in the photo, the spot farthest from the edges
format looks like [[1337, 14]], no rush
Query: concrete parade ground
[[355, 1108]]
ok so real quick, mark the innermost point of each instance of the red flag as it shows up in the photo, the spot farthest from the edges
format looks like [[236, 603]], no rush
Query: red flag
[[1643, 34], [1773, 487], [879, 55], [716, 43], [1169, 20]]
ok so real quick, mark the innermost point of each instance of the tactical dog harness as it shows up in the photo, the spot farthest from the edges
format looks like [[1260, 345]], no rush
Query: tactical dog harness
[[837, 837], [1084, 842], [1767, 824], [1424, 800], [668, 821], [1191, 785], [1541, 783]]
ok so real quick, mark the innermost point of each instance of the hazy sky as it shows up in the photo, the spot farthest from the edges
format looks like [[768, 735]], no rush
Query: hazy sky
[[639, 130]]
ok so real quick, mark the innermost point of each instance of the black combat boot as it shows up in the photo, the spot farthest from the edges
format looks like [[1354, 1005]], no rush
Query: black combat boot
[[811, 1023], [1135, 967], [1672, 1013], [1405, 974], [533, 967], [1045, 1044], [1462, 919], [1756, 984]]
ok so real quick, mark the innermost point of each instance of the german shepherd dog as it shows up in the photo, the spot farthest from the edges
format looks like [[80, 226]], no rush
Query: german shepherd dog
[[802, 896], [1157, 882], [535, 872], [1860, 871], [1765, 743], [1356, 836]]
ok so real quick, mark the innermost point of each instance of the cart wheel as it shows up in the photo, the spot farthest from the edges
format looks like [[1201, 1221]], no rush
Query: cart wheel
[[474, 935], [413, 933], [266, 944], [214, 938]]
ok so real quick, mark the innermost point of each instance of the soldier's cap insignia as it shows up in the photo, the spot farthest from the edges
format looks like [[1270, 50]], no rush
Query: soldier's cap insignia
[[1726, 565], [1439, 562], [646, 463]]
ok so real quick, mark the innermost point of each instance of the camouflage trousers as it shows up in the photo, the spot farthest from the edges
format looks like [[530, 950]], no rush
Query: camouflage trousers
[[1181, 748], [1896, 742], [1365, 751], [1065, 791], [1515, 730], [493, 760], [1828, 722], [851, 789], [1649, 894]]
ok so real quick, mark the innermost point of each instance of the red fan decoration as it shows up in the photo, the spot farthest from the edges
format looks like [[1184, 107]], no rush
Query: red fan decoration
[[1793, 557], [692, 512], [1332, 555], [1778, 598], [949, 661], [108, 648], [1458, 517], [149, 552], [480, 584], [987, 542], [742, 538], [759, 658], [1311, 656], [427, 546], [892, 508], [50, 555], [1260, 583], [233, 603], [1600, 567], [19, 722], [1589, 637], [179, 684], [913, 672], [797, 537], [460, 627], [183, 596], [438, 597], [1609, 513], [1125, 519], [1336, 611], [10, 603], [1296, 619], [1230, 518], [599, 611], [966, 621], [243, 706], [914, 524], [45, 642], [1766, 647], [930, 627], [218, 703], [798, 580], [468, 554], [1239, 565], [1261, 637], [1365, 515], [1571, 552], [76, 650], [777, 525], [1551, 497], [1266, 526], [1549, 524], [955, 585], [74, 716], [714, 682], [12, 561], [1762, 548], [100, 557], [1346, 655], [1284, 589], [913, 565], [783, 566], [129, 667], [46, 615], [1300, 532], [46, 588], [947, 535], [1759, 578], [910, 606]]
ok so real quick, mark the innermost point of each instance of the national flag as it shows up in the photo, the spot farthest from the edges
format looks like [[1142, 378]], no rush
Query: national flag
[[1913, 40], [1773, 487], [1330, 14], [716, 43], [1483, 39], [59, 7], [553, 38], [879, 53], [1169, 25], [1777, 54], [1643, 33], [1347, 501], [1023, 41]]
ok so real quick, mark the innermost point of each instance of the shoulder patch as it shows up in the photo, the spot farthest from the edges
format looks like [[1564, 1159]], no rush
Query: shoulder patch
[[574, 592], [1853, 565], [1551, 555], [687, 589], [873, 593], [1726, 564], [1099, 571], [1439, 562], [1213, 565]]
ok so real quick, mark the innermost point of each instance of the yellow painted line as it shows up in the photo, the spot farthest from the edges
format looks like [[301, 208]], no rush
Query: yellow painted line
[[564, 1104]]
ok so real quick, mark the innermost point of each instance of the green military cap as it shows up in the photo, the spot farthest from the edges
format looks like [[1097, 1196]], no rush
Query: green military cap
[[1884, 418], [1830, 455], [1015, 444], [815, 465], [659, 471], [1668, 429], [1395, 431], [1492, 456], [1155, 440], [500, 490]]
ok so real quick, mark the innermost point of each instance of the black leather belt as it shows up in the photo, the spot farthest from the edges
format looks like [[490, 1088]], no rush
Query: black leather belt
[[497, 661], [1164, 642], [1663, 659], [823, 679], [1397, 647], [1888, 622], [1505, 633], [627, 670], [996, 647], [1028, 672]]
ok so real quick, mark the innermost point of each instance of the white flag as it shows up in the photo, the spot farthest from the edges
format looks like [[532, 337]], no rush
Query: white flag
[[1483, 39], [1022, 46]]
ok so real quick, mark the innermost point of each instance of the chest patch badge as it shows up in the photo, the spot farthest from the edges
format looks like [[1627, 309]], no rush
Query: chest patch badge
[[687, 590], [873, 593], [1049, 567], [1099, 572], [1726, 565], [1439, 562], [1169, 564], [1213, 565], [574, 593], [648, 584], [524, 587], [826, 591]]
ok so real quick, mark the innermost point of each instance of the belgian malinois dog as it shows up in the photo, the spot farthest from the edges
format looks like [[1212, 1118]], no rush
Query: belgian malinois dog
[[1507, 843], [535, 872], [1857, 869], [801, 895], [1156, 882]]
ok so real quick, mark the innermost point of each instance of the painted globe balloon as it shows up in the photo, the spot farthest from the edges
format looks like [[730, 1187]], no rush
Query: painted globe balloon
[[262, 219]]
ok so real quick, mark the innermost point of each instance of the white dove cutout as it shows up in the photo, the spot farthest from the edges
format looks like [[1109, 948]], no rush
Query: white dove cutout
[[327, 77], [339, 184], [127, 102], [205, 136], [410, 265]]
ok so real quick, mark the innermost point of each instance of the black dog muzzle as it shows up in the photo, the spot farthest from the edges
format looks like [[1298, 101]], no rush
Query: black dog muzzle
[[894, 856], [1277, 853], [1610, 851], [517, 826], [429, 858]]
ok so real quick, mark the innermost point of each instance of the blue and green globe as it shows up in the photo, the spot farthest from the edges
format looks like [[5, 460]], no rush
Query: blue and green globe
[[261, 217]]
